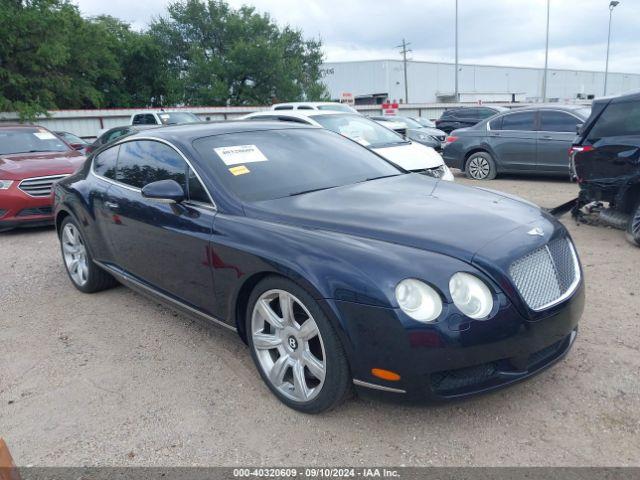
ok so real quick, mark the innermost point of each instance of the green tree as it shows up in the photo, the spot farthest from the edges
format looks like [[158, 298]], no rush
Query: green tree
[[217, 55]]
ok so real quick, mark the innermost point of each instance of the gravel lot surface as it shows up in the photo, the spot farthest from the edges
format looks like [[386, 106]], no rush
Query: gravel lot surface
[[116, 379]]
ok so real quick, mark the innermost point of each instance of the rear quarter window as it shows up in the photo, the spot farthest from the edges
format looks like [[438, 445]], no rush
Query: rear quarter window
[[617, 120]]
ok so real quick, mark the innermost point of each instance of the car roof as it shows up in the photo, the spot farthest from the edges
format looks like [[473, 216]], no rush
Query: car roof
[[302, 114], [189, 132], [551, 106], [299, 104]]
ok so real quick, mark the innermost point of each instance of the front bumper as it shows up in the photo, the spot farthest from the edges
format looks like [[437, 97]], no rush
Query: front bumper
[[17, 209], [453, 359]]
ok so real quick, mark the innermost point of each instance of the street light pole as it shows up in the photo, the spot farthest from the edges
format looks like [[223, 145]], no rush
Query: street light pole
[[457, 93], [612, 5], [546, 57]]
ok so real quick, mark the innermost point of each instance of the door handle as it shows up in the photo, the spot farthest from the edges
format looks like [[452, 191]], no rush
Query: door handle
[[546, 137], [111, 205]]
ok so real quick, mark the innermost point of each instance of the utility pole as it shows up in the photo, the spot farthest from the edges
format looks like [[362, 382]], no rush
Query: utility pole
[[457, 93], [612, 5], [404, 52], [546, 58]]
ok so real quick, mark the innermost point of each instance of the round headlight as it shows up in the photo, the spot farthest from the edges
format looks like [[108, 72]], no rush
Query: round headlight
[[471, 295], [418, 300]]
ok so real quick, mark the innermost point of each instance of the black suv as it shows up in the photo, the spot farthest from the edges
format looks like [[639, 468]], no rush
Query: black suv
[[605, 159], [460, 117]]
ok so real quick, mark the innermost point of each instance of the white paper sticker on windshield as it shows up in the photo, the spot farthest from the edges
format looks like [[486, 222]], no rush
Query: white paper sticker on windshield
[[45, 135], [239, 154]]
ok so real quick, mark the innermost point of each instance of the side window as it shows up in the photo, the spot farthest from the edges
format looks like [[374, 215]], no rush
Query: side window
[[558, 122], [197, 193], [105, 163], [145, 161], [305, 107], [485, 113], [519, 121], [144, 119], [284, 107], [496, 124], [618, 119], [115, 134]]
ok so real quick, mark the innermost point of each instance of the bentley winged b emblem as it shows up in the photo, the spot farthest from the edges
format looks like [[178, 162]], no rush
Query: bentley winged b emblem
[[536, 231]]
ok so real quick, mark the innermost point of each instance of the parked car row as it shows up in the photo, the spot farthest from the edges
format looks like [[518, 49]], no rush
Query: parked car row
[[398, 149]]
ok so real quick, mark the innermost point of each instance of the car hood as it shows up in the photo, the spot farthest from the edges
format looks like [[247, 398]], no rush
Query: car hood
[[428, 131], [412, 210], [411, 156], [25, 165]]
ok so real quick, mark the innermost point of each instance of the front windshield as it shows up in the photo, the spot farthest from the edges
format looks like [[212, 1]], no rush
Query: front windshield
[[269, 164], [336, 107], [408, 122], [361, 129], [173, 118], [425, 122], [30, 140], [584, 112]]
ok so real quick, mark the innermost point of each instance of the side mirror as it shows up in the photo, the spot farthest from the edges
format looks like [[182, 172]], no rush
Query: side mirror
[[78, 146], [579, 128], [167, 191]]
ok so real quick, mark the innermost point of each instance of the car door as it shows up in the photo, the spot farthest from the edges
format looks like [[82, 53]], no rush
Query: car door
[[163, 245], [512, 138], [554, 138]]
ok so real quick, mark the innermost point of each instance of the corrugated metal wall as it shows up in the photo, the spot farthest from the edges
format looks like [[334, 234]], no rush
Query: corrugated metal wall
[[427, 80]]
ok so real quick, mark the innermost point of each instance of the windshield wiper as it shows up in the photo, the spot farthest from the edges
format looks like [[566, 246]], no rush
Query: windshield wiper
[[311, 190]]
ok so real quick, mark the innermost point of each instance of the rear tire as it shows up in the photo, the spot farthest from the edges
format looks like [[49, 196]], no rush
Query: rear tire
[[295, 348], [480, 166], [633, 227], [85, 275]]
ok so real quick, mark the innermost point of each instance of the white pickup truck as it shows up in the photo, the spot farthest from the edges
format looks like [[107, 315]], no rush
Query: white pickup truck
[[162, 118]]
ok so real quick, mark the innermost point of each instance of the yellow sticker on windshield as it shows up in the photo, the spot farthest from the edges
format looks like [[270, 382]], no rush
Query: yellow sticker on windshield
[[239, 170]]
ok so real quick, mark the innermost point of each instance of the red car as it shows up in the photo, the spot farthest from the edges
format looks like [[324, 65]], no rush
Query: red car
[[31, 160]]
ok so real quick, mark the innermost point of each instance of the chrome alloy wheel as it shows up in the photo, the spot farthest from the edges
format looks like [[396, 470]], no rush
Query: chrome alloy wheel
[[288, 345], [479, 167], [75, 254]]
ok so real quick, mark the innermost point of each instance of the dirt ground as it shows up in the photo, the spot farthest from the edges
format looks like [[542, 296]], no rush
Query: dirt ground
[[116, 379]]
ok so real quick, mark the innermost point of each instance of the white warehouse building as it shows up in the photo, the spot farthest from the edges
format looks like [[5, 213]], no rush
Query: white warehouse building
[[371, 81]]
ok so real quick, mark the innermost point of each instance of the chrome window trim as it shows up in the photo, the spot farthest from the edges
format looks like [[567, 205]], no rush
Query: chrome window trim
[[154, 139], [128, 278], [46, 177]]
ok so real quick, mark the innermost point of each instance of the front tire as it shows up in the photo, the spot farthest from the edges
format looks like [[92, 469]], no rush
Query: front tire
[[85, 275], [295, 347], [633, 227], [480, 166]]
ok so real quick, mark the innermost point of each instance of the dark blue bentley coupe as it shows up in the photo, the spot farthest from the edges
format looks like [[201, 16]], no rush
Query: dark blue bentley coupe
[[338, 269]]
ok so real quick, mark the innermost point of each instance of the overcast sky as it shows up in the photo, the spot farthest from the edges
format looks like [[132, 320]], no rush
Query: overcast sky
[[502, 32]]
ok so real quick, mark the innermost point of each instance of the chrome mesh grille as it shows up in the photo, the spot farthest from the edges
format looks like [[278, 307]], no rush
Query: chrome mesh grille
[[39, 186], [544, 276]]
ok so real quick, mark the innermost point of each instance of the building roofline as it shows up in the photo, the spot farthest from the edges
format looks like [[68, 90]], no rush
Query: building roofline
[[431, 62]]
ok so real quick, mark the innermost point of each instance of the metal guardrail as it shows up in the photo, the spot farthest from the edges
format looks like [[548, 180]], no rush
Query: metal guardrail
[[88, 123]]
